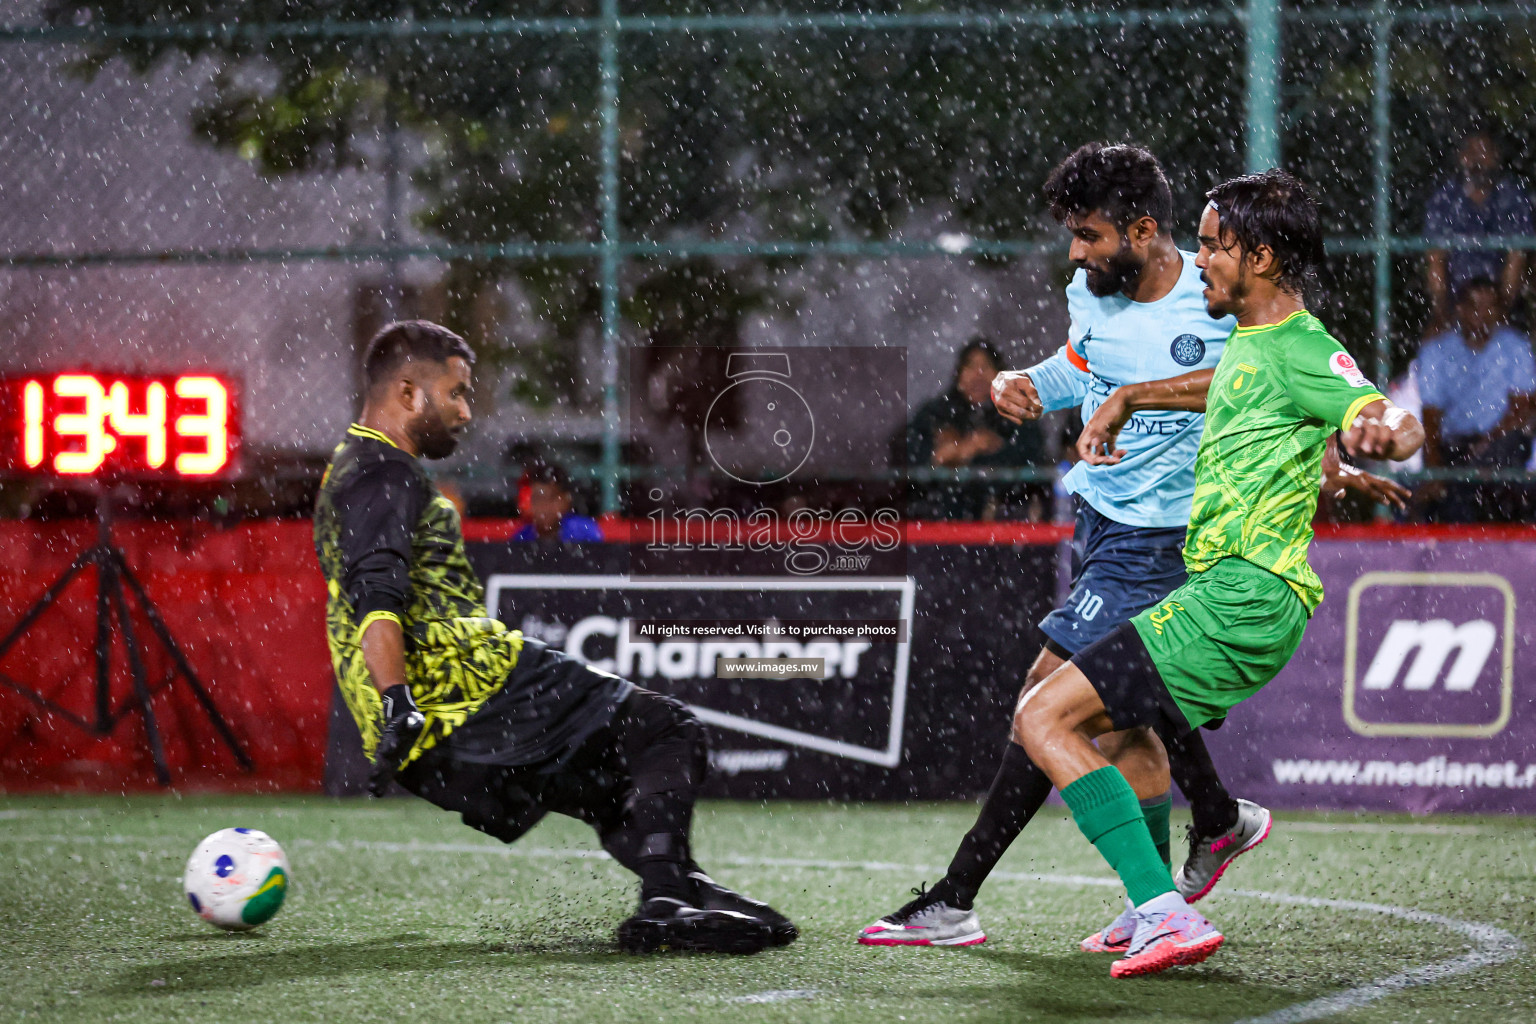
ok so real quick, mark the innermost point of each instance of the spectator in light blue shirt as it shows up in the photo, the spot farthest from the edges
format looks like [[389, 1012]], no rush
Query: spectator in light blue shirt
[[1480, 201], [1478, 384], [544, 499]]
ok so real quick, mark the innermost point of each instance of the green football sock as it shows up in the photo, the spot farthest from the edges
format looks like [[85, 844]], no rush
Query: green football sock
[[1109, 815], [1156, 811]]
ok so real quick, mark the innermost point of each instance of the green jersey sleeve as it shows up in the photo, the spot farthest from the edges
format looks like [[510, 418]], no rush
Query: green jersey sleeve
[[1324, 381]]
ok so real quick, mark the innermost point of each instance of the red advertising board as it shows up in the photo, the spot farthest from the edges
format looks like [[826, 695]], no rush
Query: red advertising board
[[1412, 690], [247, 606]]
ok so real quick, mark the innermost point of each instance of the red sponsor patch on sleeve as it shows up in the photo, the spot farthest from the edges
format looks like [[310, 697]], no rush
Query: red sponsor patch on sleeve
[[1343, 364]]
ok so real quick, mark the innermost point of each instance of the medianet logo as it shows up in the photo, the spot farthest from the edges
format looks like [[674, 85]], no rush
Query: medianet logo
[[1431, 644], [1427, 673], [1434, 772]]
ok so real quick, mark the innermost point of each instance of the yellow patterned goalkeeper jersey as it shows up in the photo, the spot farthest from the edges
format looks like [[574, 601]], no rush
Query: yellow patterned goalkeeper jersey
[[390, 546]]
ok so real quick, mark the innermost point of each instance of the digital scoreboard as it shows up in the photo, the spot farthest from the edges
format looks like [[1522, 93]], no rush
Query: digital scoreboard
[[182, 426]]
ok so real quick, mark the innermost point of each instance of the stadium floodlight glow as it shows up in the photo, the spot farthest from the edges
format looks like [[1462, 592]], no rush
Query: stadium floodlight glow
[[104, 425]]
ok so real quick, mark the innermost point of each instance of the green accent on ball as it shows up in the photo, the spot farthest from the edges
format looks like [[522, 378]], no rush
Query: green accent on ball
[[267, 900]]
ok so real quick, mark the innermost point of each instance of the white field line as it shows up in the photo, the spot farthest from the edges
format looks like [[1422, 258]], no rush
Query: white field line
[[56, 812], [1494, 945], [776, 995]]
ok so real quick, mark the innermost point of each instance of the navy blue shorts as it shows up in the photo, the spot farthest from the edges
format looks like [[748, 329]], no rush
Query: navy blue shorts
[[1117, 570]]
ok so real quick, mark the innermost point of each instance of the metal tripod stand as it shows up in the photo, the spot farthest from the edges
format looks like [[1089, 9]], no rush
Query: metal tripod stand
[[112, 572]]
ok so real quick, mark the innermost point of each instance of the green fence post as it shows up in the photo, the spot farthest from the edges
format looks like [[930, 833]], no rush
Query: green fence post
[[608, 101], [1381, 173], [1263, 31]]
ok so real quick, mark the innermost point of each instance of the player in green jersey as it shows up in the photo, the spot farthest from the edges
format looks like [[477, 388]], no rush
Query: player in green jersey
[[1281, 390]]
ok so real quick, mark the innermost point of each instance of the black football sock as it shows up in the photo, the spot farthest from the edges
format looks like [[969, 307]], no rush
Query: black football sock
[[1017, 793], [661, 871], [666, 755], [657, 824], [1210, 805]]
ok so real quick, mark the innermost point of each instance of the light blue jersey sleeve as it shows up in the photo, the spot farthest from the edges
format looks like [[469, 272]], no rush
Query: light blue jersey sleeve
[[1062, 380], [1059, 384], [1124, 342]]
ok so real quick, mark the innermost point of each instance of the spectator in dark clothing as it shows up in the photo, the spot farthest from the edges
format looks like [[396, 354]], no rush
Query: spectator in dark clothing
[[1478, 384], [544, 500], [962, 428], [1480, 201]]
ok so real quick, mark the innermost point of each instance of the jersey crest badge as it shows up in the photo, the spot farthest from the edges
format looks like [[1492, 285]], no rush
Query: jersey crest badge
[[1244, 375], [1343, 364], [1187, 349]]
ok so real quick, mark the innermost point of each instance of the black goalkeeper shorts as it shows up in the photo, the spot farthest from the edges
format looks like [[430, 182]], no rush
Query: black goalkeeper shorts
[[591, 783], [547, 708]]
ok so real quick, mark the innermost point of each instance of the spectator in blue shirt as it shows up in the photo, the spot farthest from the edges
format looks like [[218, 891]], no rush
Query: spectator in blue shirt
[[1478, 383], [1478, 201], [544, 499]]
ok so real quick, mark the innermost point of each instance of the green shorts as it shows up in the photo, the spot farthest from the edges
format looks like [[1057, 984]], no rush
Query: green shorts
[[1221, 636]]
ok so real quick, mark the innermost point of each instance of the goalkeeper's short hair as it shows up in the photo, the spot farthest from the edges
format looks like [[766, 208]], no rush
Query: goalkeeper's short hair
[[406, 340]]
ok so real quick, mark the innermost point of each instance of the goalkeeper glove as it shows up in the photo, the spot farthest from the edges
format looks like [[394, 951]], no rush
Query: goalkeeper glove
[[403, 722]]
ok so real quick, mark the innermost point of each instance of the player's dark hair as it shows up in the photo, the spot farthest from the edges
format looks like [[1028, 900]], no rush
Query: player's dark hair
[[1122, 182], [1466, 288], [979, 343], [406, 340], [1274, 209]]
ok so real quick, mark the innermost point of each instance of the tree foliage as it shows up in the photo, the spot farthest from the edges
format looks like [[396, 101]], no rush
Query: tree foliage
[[784, 135]]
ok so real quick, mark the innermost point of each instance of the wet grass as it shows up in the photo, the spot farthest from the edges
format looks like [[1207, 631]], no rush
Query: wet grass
[[401, 913]]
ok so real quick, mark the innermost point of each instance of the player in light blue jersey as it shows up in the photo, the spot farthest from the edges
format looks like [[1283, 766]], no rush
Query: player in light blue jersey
[[1113, 340], [1137, 315]]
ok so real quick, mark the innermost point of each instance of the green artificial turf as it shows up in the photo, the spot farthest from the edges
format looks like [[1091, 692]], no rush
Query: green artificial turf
[[400, 913]]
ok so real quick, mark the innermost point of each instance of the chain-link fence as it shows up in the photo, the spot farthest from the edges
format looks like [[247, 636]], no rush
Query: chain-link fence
[[256, 186]]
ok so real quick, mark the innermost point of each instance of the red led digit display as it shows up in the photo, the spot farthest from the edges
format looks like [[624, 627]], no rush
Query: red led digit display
[[166, 426]]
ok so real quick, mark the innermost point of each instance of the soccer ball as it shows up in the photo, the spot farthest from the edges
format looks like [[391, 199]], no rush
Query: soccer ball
[[236, 878]]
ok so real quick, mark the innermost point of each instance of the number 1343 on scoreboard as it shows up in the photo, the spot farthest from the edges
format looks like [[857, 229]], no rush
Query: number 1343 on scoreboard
[[165, 426]]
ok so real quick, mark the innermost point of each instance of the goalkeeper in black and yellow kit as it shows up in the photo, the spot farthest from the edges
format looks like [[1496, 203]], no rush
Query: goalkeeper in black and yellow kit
[[477, 718]]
